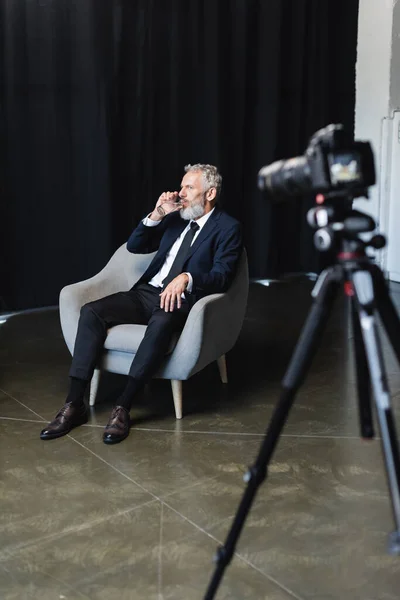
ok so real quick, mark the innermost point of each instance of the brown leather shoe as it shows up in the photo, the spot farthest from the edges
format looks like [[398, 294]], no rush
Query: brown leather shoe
[[67, 418], [117, 428]]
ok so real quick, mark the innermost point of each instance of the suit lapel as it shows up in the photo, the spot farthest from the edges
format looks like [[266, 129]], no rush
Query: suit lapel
[[174, 231], [205, 232]]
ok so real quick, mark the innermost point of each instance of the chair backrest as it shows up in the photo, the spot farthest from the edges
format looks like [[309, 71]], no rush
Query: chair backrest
[[239, 288], [128, 267]]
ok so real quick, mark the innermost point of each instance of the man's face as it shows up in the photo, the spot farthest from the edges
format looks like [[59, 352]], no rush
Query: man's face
[[193, 196]]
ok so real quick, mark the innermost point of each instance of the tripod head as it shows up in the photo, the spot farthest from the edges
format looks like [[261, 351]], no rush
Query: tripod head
[[339, 226]]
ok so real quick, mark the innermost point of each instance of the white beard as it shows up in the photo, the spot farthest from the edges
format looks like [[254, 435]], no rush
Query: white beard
[[192, 212]]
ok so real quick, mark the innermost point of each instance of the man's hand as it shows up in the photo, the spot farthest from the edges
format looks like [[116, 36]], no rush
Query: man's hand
[[168, 202], [171, 298]]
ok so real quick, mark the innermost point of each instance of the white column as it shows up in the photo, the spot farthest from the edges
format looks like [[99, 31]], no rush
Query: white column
[[376, 120]]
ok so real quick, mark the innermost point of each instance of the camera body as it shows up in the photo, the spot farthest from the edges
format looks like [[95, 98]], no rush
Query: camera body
[[333, 164]]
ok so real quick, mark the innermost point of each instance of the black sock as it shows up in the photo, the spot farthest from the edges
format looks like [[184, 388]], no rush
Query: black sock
[[76, 391], [127, 396]]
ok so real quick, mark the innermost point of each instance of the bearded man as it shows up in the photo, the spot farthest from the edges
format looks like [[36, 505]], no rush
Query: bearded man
[[198, 247]]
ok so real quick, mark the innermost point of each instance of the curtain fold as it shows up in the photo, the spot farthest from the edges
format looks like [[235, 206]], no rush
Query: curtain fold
[[104, 101]]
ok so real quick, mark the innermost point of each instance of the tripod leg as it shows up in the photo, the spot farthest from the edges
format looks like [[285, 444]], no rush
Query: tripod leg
[[363, 377], [324, 294], [386, 308], [363, 287]]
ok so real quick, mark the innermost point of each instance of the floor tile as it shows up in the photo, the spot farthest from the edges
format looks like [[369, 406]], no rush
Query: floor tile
[[10, 408], [47, 487], [322, 521], [148, 553], [163, 462], [117, 558]]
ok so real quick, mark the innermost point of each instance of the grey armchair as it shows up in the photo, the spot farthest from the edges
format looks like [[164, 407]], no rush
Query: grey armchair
[[211, 330]]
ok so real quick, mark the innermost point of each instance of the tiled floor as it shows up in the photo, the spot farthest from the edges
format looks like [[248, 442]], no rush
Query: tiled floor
[[141, 520]]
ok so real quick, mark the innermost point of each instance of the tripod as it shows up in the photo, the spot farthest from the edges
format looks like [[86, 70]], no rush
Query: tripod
[[366, 288]]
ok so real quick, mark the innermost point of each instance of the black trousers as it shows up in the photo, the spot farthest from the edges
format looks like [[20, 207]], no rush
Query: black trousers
[[140, 306]]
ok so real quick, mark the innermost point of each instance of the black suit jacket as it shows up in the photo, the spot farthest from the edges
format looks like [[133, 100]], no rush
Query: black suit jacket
[[212, 258]]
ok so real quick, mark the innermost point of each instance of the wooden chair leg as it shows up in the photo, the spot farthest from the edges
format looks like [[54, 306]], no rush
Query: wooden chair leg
[[176, 385], [222, 369], [94, 386]]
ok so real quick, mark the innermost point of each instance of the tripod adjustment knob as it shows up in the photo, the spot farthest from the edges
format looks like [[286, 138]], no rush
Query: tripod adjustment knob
[[377, 241], [323, 238], [255, 474], [320, 216]]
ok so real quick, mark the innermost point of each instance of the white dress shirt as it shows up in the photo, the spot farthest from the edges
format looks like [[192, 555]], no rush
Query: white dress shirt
[[169, 259]]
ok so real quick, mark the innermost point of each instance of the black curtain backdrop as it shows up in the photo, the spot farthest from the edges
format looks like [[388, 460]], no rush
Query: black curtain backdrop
[[104, 101]]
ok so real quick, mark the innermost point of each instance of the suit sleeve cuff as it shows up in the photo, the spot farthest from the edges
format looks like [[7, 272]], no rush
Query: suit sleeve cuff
[[149, 222]]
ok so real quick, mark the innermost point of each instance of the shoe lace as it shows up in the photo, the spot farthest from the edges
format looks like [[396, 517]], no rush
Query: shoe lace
[[116, 418]]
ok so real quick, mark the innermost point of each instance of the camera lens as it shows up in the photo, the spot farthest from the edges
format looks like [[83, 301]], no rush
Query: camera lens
[[288, 177]]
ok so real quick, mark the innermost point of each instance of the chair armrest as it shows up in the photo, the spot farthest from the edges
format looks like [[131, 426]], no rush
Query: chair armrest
[[75, 295], [211, 330], [120, 273]]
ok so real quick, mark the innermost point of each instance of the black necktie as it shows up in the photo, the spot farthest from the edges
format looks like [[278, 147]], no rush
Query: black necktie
[[179, 261]]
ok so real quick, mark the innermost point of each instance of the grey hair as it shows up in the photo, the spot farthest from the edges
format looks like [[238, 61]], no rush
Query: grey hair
[[211, 177]]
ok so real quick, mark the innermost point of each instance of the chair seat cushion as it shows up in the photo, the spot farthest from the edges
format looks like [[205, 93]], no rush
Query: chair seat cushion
[[126, 338]]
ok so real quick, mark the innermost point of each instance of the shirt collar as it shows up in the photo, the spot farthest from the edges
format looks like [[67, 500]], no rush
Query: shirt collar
[[203, 220]]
